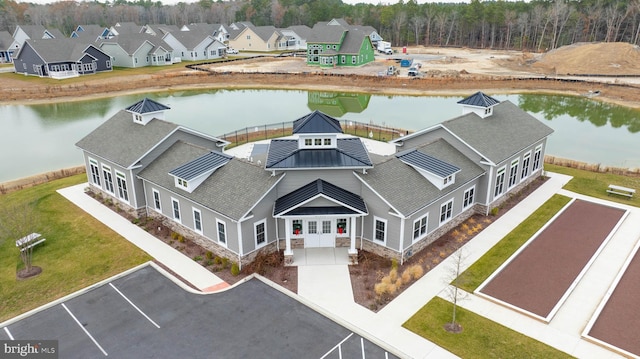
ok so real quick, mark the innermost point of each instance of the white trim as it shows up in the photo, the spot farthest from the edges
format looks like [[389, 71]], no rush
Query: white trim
[[244, 216], [539, 161], [313, 199], [421, 234], [226, 236], [526, 165], [502, 171], [472, 199], [516, 176], [255, 233], [153, 194], [377, 219], [173, 210], [122, 178], [448, 206], [379, 196], [195, 229], [106, 170], [92, 163]]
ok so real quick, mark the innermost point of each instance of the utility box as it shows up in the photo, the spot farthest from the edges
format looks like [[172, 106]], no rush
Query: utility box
[[406, 62]]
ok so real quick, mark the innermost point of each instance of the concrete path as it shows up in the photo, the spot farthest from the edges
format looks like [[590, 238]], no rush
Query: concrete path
[[182, 265]]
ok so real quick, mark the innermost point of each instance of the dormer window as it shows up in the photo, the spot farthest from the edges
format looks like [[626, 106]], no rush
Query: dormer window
[[184, 184], [440, 173], [317, 141], [137, 118], [327, 142]]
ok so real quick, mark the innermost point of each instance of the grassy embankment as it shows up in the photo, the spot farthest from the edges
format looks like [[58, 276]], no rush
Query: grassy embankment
[[79, 250]]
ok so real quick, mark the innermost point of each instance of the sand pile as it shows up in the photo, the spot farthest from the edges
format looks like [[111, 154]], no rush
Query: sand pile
[[613, 58]]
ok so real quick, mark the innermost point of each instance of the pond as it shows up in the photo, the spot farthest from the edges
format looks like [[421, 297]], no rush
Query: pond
[[40, 138]]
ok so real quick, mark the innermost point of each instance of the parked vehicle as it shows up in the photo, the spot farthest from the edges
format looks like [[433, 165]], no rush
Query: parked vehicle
[[384, 47], [231, 50], [392, 71], [413, 72]]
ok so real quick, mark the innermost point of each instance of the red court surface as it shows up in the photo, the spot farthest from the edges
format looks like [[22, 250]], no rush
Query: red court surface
[[540, 275], [619, 321]]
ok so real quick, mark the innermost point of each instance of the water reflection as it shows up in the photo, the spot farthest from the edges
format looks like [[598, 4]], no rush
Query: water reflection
[[582, 109], [57, 113], [337, 104]]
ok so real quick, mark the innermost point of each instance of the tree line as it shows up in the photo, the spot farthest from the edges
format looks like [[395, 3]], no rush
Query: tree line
[[537, 25]]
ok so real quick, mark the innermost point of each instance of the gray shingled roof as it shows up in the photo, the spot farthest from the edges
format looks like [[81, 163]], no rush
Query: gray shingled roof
[[59, 50], [424, 161], [5, 40], [479, 99], [147, 105], [265, 32], [132, 42], [406, 189], [33, 31], [203, 164], [326, 34], [191, 39], [316, 188], [316, 122], [303, 31], [124, 142], [284, 154], [499, 136], [231, 190], [353, 41]]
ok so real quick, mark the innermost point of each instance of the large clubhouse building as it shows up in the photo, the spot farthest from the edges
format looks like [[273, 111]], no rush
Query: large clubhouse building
[[318, 187]]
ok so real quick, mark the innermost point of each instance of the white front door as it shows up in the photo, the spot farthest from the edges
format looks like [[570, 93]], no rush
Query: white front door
[[320, 233], [312, 238], [327, 235]]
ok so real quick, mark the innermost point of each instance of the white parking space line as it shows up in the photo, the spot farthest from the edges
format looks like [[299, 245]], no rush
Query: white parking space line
[[133, 305], [85, 330], [339, 346], [8, 333], [362, 347]]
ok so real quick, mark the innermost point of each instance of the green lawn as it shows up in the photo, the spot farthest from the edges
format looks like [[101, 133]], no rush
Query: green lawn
[[595, 184], [79, 251], [479, 271], [480, 337]]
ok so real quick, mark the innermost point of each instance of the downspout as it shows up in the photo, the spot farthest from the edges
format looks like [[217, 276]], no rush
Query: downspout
[[402, 240], [361, 232], [486, 210], [240, 250]]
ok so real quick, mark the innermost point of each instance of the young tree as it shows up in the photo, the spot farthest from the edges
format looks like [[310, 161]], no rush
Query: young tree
[[17, 221], [452, 291]]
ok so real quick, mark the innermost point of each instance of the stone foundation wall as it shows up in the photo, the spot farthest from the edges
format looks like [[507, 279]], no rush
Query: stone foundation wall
[[268, 248], [99, 193], [297, 243], [512, 191], [378, 249]]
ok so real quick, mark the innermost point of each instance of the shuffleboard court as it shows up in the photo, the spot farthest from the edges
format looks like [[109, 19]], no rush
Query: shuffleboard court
[[540, 275]]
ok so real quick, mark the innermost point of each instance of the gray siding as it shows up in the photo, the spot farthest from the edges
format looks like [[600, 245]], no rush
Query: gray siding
[[102, 59], [380, 209], [28, 59], [262, 210], [120, 57], [135, 194]]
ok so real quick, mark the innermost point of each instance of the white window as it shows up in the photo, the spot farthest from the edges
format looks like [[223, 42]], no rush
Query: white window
[[121, 181], [297, 227], [317, 142], [222, 232], [353, 60], [108, 179], [343, 59], [513, 173], [341, 225], [248, 37], [176, 209], [446, 211], [499, 189], [183, 183], [420, 227], [468, 197], [312, 227], [537, 154], [156, 200], [137, 117], [326, 227], [308, 142], [380, 229], [260, 233], [197, 220], [108, 63], [95, 171], [525, 165], [327, 142]]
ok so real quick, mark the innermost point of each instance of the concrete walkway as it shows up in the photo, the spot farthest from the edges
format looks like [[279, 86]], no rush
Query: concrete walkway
[[182, 265]]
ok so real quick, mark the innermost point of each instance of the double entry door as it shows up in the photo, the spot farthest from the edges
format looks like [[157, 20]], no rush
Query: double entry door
[[320, 233]]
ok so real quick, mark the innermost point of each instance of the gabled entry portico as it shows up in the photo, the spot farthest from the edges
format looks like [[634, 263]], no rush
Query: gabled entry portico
[[321, 215]]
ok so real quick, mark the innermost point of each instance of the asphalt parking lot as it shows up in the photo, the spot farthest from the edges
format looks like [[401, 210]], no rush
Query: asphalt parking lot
[[146, 315]]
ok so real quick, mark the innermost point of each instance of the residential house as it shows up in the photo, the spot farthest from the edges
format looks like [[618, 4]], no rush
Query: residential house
[[7, 47], [125, 28], [338, 45], [60, 58], [137, 50], [23, 33], [369, 30], [91, 33], [255, 38], [318, 187], [159, 30], [294, 38], [195, 45]]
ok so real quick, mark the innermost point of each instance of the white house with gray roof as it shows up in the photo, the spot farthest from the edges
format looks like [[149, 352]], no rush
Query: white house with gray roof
[[196, 44], [318, 187], [137, 50]]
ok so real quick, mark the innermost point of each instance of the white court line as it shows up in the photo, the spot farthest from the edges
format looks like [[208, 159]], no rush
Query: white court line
[[133, 305], [337, 346], [83, 328], [8, 333]]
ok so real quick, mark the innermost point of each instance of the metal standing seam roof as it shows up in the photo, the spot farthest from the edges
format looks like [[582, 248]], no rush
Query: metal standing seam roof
[[428, 163], [316, 188], [201, 165], [479, 99], [284, 154], [316, 122], [147, 105]]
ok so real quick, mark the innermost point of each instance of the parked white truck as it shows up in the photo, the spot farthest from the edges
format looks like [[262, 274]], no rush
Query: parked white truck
[[384, 47]]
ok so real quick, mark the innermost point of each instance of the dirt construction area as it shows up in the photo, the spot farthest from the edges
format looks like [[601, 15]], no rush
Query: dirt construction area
[[611, 70]]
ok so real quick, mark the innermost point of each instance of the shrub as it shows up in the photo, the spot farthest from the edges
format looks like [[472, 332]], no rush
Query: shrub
[[494, 211], [197, 258], [415, 271], [217, 260], [393, 275], [180, 238], [406, 277], [394, 263], [225, 262], [235, 269], [209, 255], [381, 288], [174, 235], [208, 263], [135, 221]]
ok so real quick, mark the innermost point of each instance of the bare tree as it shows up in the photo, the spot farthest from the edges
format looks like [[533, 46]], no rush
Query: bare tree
[[452, 291], [18, 221], [418, 23]]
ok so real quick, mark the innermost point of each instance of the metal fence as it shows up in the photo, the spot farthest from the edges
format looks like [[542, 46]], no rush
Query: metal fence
[[263, 132]]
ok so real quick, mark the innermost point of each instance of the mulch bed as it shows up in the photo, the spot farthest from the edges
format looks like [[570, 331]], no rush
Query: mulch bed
[[371, 268], [619, 322], [541, 274]]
